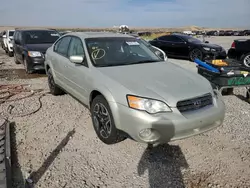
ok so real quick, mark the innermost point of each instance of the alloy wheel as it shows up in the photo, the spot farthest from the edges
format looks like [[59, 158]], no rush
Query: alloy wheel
[[246, 61], [102, 120], [196, 53]]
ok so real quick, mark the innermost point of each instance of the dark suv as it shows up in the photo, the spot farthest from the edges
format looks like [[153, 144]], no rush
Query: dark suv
[[30, 47]]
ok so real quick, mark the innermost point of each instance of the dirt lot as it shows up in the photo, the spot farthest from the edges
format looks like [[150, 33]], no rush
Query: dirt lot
[[57, 147]]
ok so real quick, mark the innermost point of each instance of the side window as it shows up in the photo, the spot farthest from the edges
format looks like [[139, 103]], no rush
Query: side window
[[16, 36], [164, 38], [75, 47], [176, 39], [62, 45], [170, 38]]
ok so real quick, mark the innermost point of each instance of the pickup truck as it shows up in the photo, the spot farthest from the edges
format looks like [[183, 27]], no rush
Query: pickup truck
[[240, 50]]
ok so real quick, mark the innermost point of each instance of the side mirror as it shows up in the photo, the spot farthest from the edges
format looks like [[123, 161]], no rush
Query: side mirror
[[76, 59], [166, 58], [4, 36], [206, 42], [158, 53]]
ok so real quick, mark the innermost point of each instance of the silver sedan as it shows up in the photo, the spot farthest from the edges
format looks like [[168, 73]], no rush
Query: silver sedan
[[129, 90]]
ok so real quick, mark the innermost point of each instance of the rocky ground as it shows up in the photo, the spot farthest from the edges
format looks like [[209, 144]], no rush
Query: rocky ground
[[57, 147]]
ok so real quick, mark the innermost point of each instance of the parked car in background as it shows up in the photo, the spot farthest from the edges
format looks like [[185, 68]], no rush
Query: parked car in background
[[130, 91], [240, 50], [246, 32], [156, 50], [229, 33], [184, 46], [30, 47], [8, 42], [64, 32], [221, 33], [212, 33]]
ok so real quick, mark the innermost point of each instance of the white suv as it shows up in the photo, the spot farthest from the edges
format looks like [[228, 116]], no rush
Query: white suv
[[8, 42]]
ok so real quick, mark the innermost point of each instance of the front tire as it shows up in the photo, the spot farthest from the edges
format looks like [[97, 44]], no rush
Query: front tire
[[15, 58], [195, 53], [27, 69], [246, 60], [103, 121], [10, 54], [54, 89]]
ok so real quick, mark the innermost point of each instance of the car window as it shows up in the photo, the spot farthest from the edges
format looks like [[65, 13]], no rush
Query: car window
[[11, 33], [62, 45], [115, 51], [75, 47], [40, 36], [170, 38]]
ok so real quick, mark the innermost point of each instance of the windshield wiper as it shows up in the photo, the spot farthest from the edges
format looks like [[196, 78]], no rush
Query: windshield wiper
[[144, 61], [121, 64]]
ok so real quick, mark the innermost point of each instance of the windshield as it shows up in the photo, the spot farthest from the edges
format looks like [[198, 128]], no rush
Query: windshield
[[11, 33], [40, 37], [117, 51]]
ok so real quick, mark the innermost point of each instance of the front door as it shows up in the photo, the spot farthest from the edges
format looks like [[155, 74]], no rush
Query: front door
[[77, 74], [60, 60]]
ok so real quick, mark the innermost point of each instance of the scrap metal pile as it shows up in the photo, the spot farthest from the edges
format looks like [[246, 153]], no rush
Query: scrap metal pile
[[9, 95], [226, 74]]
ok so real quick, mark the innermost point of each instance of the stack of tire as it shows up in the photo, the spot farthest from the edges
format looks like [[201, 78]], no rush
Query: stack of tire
[[5, 163]]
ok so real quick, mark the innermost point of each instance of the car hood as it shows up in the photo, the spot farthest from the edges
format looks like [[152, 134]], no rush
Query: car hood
[[215, 46], [38, 47], [161, 80]]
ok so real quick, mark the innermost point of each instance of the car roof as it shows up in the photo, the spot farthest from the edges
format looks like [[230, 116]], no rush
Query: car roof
[[180, 35], [36, 29], [97, 34]]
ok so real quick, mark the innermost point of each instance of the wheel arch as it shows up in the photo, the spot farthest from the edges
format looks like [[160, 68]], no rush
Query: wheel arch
[[110, 100]]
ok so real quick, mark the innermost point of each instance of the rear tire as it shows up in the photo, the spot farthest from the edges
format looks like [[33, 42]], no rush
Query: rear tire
[[103, 121], [54, 89]]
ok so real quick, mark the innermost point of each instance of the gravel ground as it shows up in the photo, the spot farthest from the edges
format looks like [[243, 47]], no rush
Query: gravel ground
[[57, 146]]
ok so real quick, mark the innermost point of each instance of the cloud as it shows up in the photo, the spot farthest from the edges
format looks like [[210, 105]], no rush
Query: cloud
[[106, 13]]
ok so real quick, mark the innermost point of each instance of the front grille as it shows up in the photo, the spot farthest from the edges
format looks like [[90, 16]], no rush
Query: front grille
[[195, 103]]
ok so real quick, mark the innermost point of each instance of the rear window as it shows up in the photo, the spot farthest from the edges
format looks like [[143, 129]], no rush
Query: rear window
[[40, 37], [11, 33]]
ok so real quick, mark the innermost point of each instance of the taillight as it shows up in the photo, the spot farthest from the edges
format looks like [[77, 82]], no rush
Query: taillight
[[233, 45]]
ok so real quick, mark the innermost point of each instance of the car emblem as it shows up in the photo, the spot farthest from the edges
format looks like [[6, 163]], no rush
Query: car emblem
[[197, 103]]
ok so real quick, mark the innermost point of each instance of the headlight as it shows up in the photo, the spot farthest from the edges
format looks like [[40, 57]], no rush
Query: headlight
[[34, 54], [207, 49], [149, 105]]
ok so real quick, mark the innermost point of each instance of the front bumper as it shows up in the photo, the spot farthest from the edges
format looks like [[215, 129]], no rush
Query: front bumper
[[10, 47], [217, 55], [36, 63], [169, 126]]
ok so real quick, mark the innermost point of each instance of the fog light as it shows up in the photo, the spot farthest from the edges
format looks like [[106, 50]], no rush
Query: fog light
[[145, 133]]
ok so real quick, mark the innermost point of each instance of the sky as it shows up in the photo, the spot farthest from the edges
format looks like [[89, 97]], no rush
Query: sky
[[134, 13]]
